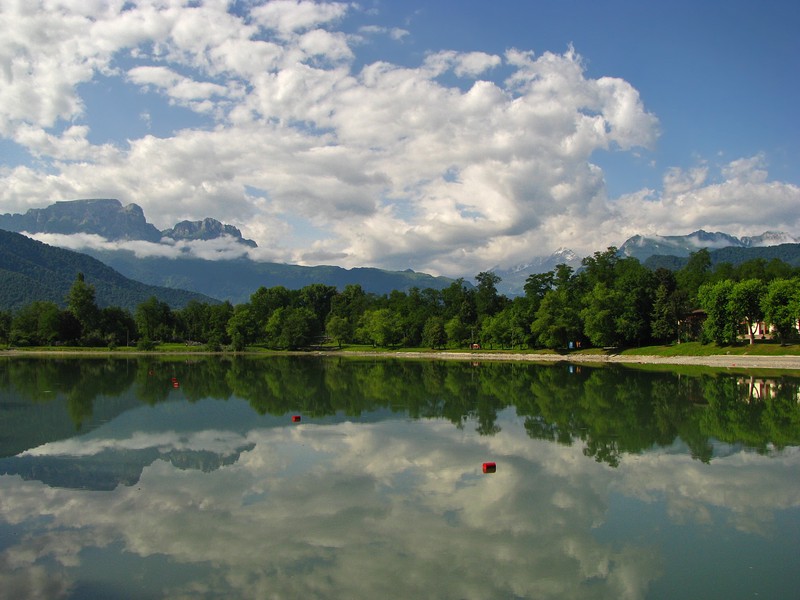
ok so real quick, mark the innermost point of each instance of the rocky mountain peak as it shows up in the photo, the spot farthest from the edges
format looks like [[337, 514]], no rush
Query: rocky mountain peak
[[108, 218], [207, 229], [105, 217]]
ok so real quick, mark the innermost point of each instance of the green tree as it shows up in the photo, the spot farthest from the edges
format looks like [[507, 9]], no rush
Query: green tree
[[665, 317], [781, 305], [81, 303], [264, 301], [601, 267], [634, 285], [216, 333], [669, 307], [600, 315], [459, 300], [381, 327], [36, 324], [745, 304], [241, 327], [457, 333], [154, 319], [117, 326], [290, 327], [696, 272], [339, 329], [557, 321], [433, 333], [318, 298], [487, 300], [5, 326], [537, 285], [195, 321], [720, 325]]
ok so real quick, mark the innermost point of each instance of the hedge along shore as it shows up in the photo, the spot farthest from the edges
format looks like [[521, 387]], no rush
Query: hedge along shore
[[740, 361]]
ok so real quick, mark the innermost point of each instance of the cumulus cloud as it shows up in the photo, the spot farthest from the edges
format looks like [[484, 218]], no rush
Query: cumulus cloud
[[734, 193], [388, 165]]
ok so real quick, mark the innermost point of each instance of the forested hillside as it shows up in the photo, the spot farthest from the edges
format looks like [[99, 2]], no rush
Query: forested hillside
[[31, 271]]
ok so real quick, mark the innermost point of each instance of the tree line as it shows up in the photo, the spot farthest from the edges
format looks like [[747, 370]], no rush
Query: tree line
[[610, 301]]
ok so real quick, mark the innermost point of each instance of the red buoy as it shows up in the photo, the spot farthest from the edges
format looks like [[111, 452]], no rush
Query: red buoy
[[296, 419], [489, 467], [175, 384]]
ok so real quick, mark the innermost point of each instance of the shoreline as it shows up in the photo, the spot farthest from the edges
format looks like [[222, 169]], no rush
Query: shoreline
[[741, 361], [783, 362]]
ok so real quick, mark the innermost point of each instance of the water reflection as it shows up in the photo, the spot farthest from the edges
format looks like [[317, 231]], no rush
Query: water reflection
[[604, 477], [611, 411]]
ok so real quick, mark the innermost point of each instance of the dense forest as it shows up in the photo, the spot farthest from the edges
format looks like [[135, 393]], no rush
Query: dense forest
[[610, 301]]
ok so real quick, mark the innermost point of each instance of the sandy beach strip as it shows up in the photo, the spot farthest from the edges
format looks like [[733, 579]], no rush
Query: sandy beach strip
[[724, 361], [784, 362]]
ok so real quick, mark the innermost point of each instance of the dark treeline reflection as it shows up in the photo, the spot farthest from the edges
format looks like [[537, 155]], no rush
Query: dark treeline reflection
[[611, 411]]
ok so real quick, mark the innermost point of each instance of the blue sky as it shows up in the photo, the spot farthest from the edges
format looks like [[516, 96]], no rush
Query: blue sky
[[442, 136]]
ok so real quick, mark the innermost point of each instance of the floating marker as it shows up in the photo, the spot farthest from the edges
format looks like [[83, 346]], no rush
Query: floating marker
[[176, 385], [489, 467], [296, 419]]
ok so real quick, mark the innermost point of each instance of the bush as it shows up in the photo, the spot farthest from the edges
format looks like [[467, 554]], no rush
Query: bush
[[145, 344]]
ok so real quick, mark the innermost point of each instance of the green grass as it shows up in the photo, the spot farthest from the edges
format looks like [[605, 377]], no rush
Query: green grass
[[686, 349], [698, 349]]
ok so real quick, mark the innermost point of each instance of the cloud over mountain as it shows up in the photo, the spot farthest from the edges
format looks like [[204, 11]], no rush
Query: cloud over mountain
[[266, 116]]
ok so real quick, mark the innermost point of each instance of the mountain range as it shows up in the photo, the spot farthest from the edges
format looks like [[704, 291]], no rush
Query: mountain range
[[108, 218], [224, 279], [643, 247], [235, 279]]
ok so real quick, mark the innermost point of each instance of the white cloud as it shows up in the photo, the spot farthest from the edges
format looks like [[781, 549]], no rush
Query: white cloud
[[222, 248], [395, 33], [288, 16], [690, 200], [471, 64], [181, 90], [390, 165]]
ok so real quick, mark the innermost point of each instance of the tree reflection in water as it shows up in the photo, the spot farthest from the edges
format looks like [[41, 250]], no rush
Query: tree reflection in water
[[611, 410]]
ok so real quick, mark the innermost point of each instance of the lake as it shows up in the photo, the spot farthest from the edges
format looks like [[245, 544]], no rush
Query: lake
[[334, 477]]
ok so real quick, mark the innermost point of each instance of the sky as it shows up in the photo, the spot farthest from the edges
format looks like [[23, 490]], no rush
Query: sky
[[445, 136]]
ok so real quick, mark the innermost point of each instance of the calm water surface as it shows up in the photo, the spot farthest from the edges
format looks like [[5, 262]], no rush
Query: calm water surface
[[156, 478]]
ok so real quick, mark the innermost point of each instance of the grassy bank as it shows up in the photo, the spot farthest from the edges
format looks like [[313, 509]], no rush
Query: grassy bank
[[688, 349], [698, 349]]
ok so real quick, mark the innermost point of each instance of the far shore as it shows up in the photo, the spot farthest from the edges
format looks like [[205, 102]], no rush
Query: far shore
[[737, 361]]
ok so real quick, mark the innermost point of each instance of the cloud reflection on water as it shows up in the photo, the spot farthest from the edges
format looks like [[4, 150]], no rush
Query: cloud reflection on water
[[396, 508]]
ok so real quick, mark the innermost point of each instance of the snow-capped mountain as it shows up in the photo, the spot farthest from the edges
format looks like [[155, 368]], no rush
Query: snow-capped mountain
[[512, 280], [643, 247]]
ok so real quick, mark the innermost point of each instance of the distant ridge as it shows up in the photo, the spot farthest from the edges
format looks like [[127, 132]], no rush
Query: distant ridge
[[236, 279], [643, 247], [31, 270]]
